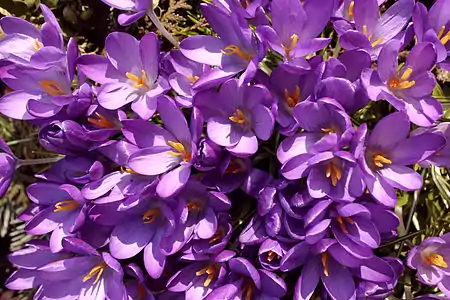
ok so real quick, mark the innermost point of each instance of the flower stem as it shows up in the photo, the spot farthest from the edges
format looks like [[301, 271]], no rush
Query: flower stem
[[12, 143], [39, 161], [151, 14]]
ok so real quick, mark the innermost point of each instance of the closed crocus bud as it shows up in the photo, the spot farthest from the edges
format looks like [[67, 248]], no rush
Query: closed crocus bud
[[209, 155], [270, 254], [66, 137]]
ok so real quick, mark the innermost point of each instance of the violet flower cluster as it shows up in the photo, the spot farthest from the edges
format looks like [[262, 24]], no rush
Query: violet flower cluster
[[161, 149]]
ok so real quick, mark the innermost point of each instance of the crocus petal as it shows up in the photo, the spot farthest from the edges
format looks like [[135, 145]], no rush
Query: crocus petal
[[129, 18], [402, 177], [173, 181], [14, 105], [353, 39], [295, 257], [154, 260], [129, 238], [339, 283], [389, 131], [159, 158], [203, 49], [262, 121], [123, 52], [388, 60], [308, 280], [114, 95], [207, 226], [98, 68]]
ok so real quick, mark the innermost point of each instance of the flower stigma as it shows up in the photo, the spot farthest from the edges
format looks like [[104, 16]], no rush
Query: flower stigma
[[139, 81], [37, 44], [211, 271], [402, 82], [52, 88], [233, 49], [288, 49], [294, 98], [334, 173], [180, 151], [95, 271], [436, 259], [272, 255], [325, 263], [342, 223], [192, 79], [151, 215], [379, 160], [238, 117], [101, 121], [66, 205]]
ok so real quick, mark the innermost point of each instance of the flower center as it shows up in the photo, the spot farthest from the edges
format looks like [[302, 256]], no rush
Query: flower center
[[195, 205], [239, 117], [328, 130], [234, 167], [325, 263], [248, 288], [127, 170], [292, 99], [233, 49], [211, 271], [139, 81], [443, 38], [436, 259], [380, 160], [66, 205], [180, 151], [192, 79], [150, 215], [369, 36], [272, 255], [245, 3], [101, 121], [288, 49], [96, 271], [37, 44], [52, 88], [220, 234], [334, 173], [342, 223], [402, 82]]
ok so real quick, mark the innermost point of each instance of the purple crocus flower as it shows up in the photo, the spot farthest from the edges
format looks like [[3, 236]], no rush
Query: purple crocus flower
[[329, 263], [28, 260], [90, 274], [388, 151], [431, 259], [60, 209], [247, 282], [201, 276], [129, 73], [23, 39], [237, 116], [295, 27], [42, 88], [409, 88], [270, 254], [433, 26], [136, 9], [8, 165], [234, 50], [187, 77], [372, 31], [170, 151]]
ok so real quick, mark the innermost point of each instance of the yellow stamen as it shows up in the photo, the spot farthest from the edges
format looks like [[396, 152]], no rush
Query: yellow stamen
[[151, 215], [181, 151], [406, 74], [195, 205], [271, 255], [140, 81], [127, 170], [364, 30], [325, 263], [348, 219], [342, 224], [292, 99], [437, 260], [233, 49], [95, 271], [217, 236], [51, 88], [288, 49], [374, 44], [101, 121], [37, 44], [192, 79], [446, 38], [66, 205], [441, 32], [328, 130], [379, 160], [211, 271], [248, 289], [238, 117], [351, 10], [406, 84], [334, 173]]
